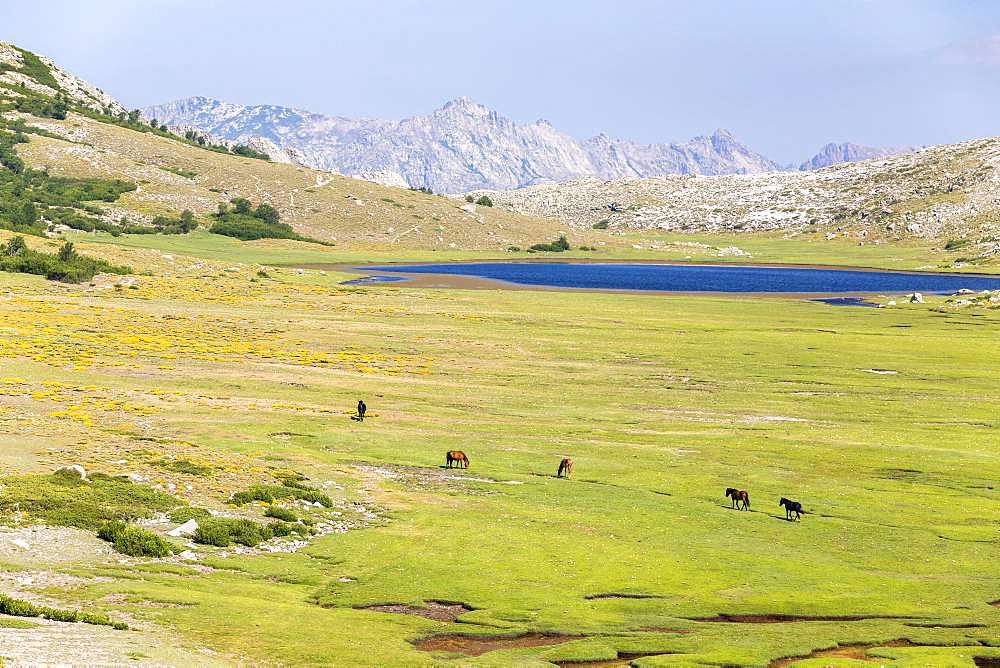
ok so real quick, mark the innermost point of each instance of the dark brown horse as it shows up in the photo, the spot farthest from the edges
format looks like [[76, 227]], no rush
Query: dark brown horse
[[457, 457], [791, 507], [739, 496], [565, 467]]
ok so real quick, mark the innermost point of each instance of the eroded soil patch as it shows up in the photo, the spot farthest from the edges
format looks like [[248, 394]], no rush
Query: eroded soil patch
[[476, 645], [442, 611], [858, 652], [786, 619], [986, 661]]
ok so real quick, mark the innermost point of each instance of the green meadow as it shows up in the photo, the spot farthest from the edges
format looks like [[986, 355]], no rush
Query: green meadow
[[882, 422]]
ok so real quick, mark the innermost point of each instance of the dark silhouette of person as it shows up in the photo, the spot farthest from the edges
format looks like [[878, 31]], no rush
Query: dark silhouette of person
[[361, 410]]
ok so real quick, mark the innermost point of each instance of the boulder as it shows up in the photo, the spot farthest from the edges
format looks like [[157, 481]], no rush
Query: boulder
[[74, 471], [185, 529]]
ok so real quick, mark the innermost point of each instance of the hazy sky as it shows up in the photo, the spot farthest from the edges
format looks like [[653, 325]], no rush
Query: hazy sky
[[785, 77]]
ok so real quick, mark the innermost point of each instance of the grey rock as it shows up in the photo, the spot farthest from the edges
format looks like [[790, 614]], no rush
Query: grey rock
[[461, 146]]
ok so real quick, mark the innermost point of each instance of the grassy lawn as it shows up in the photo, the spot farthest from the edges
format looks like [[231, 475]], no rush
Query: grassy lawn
[[883, 423]]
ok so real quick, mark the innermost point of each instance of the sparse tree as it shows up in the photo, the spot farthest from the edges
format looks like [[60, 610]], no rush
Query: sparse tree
[[241, 205], [15, 246], [267, 213], [187, 222], [28, 215], [67, 253]]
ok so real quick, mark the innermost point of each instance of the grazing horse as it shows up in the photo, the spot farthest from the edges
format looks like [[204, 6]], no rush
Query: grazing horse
[[739, 496], [457, 457], [565, 466], [791, 507]]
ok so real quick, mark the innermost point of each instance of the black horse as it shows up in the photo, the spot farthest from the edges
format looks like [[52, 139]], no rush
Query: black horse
[[362, 408], [791, 507]]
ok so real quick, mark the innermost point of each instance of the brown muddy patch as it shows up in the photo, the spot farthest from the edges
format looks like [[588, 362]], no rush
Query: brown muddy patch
[[476, 645], [787, 619], [945, 626], [858, 652], [441, 611], [623, 659], [996, 603], [986, 661]]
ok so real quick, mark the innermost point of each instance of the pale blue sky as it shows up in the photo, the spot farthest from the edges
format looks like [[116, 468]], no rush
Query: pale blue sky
[[785, 77]]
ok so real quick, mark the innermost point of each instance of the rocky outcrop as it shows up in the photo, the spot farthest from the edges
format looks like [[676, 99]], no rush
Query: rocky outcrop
[[938, 192], [13, 71], [461, 146]]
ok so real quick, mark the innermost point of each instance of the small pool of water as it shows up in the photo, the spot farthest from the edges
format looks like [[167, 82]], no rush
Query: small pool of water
[[700, 278]]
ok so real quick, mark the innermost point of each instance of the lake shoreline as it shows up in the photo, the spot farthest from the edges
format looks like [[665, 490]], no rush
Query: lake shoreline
[[386, 275]]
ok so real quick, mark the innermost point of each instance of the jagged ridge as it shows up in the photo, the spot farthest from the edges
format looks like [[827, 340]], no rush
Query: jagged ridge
[[461, 146]]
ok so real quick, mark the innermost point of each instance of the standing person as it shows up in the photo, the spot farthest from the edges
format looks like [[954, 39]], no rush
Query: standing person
[[361, 410]]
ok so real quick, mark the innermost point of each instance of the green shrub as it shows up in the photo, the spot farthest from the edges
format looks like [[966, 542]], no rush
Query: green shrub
[[268, 493], [68, 501], [224, 531], [601, 225], [134, 541], [186, 513], [955, 244], [557, 246], [279, 513], [484, 201], [279, 529], [66, 266], [514, 249], [184, 466], [18, 608]]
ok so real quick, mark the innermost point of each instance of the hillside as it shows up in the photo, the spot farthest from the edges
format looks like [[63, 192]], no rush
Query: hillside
[[461, 146], [66, 131], [943, 192]]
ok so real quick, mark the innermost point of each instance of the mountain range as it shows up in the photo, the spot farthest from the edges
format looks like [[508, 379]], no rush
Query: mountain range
[[465, 146]]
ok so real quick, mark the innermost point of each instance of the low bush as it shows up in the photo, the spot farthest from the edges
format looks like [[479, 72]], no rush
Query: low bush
[[224, 531], [134, 541], [557, 246], [186, 513], [68, 501], [268, 493], [67, 265], [184, 466], [279, 513], [601, 225], [955, 244], [484, 201], [18, 608]]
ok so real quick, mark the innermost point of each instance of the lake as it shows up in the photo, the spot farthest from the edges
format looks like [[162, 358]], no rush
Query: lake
[[694, 277]]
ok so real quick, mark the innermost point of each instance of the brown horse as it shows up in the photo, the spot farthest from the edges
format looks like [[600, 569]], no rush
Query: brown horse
[[565, 466], [457, 457], [739, 496]]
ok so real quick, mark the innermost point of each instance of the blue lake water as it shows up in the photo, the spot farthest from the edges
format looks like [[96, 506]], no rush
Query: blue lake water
[[700, 278]]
